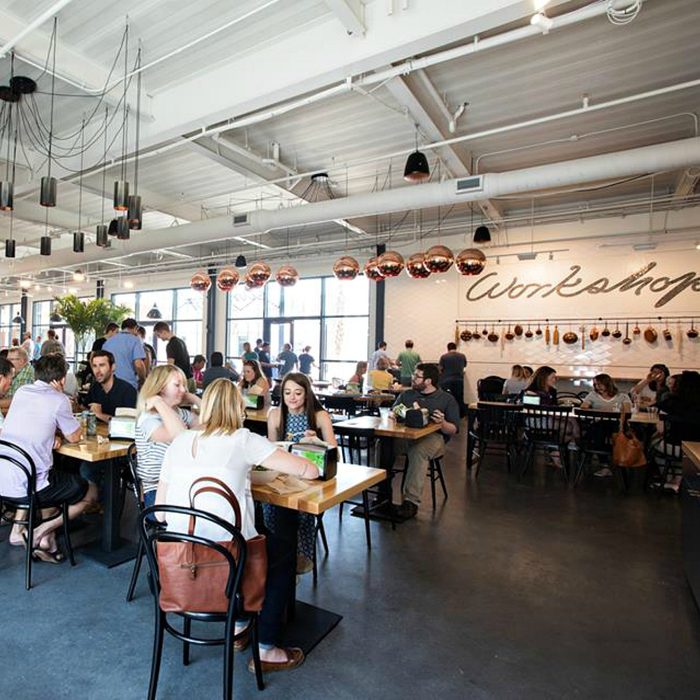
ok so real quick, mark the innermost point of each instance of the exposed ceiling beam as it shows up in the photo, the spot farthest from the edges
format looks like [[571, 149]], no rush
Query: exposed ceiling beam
[[426, 113], [350, 13], [686, 183]]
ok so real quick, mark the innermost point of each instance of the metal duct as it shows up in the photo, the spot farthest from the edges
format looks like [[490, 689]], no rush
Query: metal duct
[[674, 155]]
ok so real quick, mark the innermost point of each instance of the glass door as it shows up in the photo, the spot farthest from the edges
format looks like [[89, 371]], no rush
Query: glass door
[[278, 332]]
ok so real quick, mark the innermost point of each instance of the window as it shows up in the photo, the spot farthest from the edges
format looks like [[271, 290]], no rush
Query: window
[[8, 330], [329, 315], [182, 309], [41, 322]]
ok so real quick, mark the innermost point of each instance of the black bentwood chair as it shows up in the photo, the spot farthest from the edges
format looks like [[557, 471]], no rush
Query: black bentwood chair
[[495, 426], [677, 429], [137, 487], [12, 456], [597, 430], [152, 538], [544, 428]]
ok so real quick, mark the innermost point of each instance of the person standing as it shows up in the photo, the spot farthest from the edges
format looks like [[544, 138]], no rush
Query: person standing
[[37, 349], [128, 352], [407, 361], [111, 329], [306, 361], [52, 345], [452, 365], [175, 350], [265, 361], [28, 344], [248, 352], [379, 352], [288, 359]]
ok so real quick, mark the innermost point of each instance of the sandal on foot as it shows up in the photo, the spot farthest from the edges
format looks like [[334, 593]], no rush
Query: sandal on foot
[[241, 644], [295, 657], [51, 557]]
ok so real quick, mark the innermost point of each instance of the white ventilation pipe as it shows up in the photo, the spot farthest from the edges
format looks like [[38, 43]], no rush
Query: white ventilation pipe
[[674, 155]]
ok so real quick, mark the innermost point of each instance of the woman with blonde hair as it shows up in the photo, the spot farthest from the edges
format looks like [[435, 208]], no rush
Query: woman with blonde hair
[[222, 449], [159, 420], [516, 382]]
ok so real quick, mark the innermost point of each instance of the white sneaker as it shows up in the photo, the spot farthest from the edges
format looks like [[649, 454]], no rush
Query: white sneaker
[[603, 472]]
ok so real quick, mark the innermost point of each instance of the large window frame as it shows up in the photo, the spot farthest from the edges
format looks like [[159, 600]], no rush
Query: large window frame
[[41, 313], [183, 325], [9, 330], [269, 307]]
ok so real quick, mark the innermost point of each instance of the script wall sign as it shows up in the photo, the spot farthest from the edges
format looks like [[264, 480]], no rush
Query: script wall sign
[[649, 281]]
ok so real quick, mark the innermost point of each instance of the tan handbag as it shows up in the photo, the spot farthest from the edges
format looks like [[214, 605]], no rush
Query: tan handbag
[[628, 451], [193, 577]]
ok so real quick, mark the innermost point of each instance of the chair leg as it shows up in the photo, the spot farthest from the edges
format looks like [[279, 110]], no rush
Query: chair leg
[[527, 458], [66, 536], [187, 631], [340, 511], [255, 644], [28, 553], [228, 658], [365, 507], [135, 572], [431, 474], [322, 532], [441, 477], [157, 654]]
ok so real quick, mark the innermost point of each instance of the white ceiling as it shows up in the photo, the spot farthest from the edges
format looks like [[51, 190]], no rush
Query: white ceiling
[[289, 49]]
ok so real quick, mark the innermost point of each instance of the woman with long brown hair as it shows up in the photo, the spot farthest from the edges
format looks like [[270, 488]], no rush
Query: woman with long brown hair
[[299, 416]]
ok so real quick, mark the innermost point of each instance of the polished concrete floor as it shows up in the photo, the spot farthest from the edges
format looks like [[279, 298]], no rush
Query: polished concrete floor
[[507, 590]]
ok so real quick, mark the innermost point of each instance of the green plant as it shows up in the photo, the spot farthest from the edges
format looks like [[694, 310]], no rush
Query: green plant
[[87, 318]]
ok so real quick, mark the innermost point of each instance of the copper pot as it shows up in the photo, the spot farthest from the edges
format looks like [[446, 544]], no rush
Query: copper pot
[[493, 336], [650, 335], [636, 330], [692, 332], [667, 333], [518, 330], [466, 335], [475, 334], [570, 338], [594, 333], [528, 332], [509, 334]]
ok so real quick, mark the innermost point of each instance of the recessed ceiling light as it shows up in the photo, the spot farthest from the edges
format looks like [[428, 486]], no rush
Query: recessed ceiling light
[[128, 284]]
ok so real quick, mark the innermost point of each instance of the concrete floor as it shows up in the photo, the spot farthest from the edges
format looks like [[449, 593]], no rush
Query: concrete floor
[[509, 590]]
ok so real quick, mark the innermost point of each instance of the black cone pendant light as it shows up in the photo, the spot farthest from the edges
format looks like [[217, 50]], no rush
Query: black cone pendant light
[[482, 234]]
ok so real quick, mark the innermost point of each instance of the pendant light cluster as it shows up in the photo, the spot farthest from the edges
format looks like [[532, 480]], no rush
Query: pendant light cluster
[[256, 277]]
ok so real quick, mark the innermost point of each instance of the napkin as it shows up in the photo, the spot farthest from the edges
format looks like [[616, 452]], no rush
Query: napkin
[[286, 484]]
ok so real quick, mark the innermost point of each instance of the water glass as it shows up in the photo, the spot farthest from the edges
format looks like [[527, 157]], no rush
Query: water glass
[[384, 412]]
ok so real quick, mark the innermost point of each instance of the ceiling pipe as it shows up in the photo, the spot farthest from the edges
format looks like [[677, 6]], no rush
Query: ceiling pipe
[[43, 17], [674, 155]]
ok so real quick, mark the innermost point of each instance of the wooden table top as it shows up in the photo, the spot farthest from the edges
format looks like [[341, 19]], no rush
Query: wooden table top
[[89, 451], [692, 451], [387, 428], [640, 417], [257, 415], [319, 496]]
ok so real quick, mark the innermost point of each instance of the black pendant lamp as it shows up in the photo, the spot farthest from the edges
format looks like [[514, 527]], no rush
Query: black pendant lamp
[[6, 195], [123, 228], [47, 198], [9, 248], [102, 236], [121, 195], [241, 261], [45, 245], [55, 317], [135, 212], [47, 195], [78, 242], [482, 234], [417, 168], [18, 320], [154, 313]]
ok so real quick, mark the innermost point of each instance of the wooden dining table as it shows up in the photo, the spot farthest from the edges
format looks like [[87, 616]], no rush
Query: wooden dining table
[[112, 550], [386, 431]]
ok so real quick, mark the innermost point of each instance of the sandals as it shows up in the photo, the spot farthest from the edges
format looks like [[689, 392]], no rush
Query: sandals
[[44, 555], [295, 657]]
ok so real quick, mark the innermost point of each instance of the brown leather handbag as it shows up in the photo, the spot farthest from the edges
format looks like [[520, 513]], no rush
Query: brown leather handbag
[[193, 577], [628, 451]]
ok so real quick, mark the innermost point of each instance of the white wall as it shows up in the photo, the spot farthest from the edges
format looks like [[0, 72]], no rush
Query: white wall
[[427, 310]]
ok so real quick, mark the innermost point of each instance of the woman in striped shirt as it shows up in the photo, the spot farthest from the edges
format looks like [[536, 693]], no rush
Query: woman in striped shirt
[[159, 420]]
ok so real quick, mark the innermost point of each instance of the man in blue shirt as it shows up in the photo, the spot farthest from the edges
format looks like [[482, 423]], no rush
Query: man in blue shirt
[[129, 354], [288, 359]]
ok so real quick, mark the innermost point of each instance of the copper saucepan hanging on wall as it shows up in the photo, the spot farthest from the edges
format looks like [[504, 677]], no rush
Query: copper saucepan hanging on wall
[[539, 330], [570, 337], [493, 336], [466, 335], [636, 330], [692, 332], [594, 333], [475, 333], [650, 334], [509, 334]]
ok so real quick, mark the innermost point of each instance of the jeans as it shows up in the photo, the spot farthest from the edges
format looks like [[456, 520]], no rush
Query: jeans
[[419, 453], [281, 569]]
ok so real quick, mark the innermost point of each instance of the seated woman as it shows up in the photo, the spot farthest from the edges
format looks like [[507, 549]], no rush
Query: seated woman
[[605, 395], [225, 450], [380, 379], [542, 384], [516, 382], [253, 381], [360, 371], [299, 415], [159, 420], [652, 388]]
